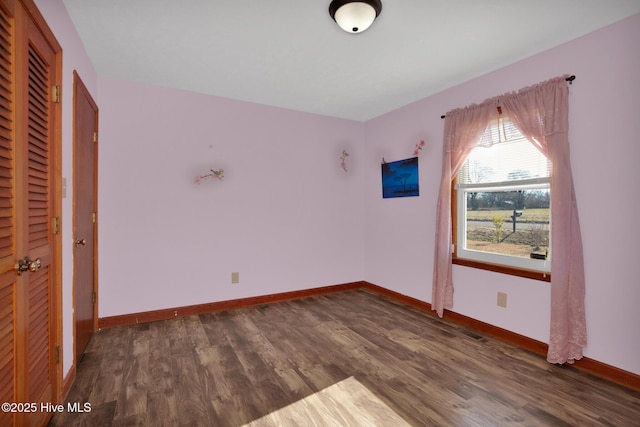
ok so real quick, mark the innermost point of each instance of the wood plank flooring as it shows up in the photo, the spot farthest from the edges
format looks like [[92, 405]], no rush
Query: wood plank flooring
[[350, 358]]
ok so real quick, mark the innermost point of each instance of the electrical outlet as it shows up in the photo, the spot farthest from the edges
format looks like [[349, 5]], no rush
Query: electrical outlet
[[502, 299], [235, 278]]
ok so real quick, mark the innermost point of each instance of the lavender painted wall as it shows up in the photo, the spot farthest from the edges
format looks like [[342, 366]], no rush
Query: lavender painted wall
[[74, 57], [604, 129], [286, 216]]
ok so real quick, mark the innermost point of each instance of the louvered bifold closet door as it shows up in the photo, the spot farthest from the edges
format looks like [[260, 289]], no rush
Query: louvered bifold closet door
[[38, 207], [29, 120], [7, 220]]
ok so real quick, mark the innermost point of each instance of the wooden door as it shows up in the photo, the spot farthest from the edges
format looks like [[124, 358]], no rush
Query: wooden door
[[8, 256], [29, 311], [85, 161]]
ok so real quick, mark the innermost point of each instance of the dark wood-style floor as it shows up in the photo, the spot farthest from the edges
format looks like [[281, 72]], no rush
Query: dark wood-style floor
[[287, 363]]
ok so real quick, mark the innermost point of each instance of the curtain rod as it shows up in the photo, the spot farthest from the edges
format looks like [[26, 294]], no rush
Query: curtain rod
[[570, 79]]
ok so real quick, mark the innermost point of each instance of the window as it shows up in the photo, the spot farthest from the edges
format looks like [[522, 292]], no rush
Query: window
[[501, 203]]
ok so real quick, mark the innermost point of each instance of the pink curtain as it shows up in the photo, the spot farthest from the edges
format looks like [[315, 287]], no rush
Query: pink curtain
[[462, 128], [541, 114]]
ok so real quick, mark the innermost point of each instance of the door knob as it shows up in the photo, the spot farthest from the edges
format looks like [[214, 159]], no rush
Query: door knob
[[35, 265], [27, 264], [79, 242]]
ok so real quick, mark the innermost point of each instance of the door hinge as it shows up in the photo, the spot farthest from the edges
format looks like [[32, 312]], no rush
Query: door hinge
[[55, 224], [93, 297], [94, 217], [56, 93], [95, 136], [56, 354]]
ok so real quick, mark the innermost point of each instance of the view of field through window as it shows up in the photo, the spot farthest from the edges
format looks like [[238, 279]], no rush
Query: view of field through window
[[514, 223]]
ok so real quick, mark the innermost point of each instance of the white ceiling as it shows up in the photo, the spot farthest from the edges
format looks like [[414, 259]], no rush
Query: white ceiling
[[290, 53]]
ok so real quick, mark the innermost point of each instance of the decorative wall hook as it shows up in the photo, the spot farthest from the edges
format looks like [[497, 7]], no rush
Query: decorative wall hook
[[214, 174], [343, 161]]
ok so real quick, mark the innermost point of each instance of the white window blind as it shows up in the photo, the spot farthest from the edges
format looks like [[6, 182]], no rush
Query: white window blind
[[503, 157]]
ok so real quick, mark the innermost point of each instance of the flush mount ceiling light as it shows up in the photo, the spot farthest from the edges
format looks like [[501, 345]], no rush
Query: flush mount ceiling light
[[355, 16]]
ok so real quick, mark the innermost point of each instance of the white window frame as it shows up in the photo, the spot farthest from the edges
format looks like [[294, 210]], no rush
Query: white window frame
[[543, 266]]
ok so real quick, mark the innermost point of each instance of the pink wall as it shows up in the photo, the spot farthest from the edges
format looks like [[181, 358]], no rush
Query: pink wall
[[286, 216], [605, 105], [74, 57]]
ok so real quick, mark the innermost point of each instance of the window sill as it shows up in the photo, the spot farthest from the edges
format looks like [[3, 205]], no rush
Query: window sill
[[521, 272]]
